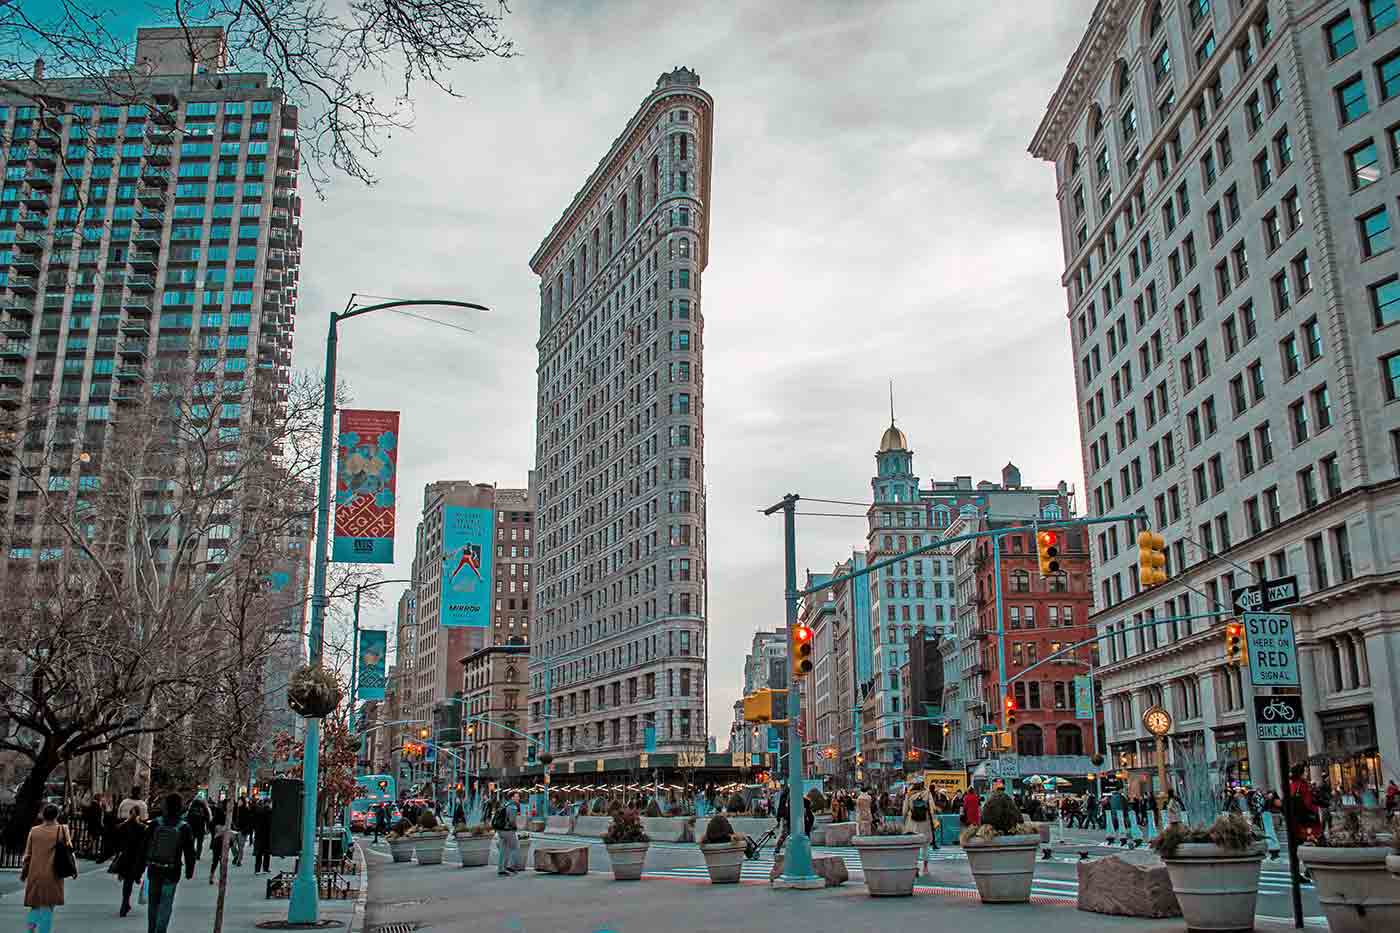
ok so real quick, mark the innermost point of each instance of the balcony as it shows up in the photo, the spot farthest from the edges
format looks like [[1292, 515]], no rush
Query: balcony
[[281, 218], [15, 350], [14, 329], [148, 238], [38, 178], [18, 307], [32, 241], [35, 198], [12, 374], [139, 283], [151, 197], [158, 155], [142, 260], [276, 258], [136, 329], [10, 398], [160, 132], [34, 220], [132, 349], [47, 157], [25, 262], [151, 218], [155, 175], [25, 284], [129, 373]]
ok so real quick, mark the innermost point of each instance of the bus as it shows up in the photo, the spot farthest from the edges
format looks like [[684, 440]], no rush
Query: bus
[[374, 789]]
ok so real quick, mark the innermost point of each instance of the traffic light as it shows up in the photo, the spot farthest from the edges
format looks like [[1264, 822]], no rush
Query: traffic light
[[947, 729], [1152, 559], [471, 729], [1047, 545], [1010, 711], [1234, 643], [800, 650], [423, 733], [1004, 741], [760, 706], [860, 759]]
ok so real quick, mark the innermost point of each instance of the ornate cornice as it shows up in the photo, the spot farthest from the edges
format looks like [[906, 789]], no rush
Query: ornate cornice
[[1100, 41]]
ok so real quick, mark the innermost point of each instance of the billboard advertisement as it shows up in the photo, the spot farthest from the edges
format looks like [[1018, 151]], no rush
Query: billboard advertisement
[[466, 566], [1083, 697], [366, 467], [374, 645]]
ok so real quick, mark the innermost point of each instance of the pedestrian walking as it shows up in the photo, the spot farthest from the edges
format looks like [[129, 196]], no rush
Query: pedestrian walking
[[242, 828], [43, 873], [169, 845], [504, 823], [918, 819], [220, 836], [198, 817], [129, 855], [262, 838], [381, 820], [137, 800], [865, 817], [95, 820], [1174, 808], [971, 808]]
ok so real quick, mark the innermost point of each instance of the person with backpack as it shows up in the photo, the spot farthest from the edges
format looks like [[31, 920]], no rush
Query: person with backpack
[[504, 823], [918, 819], [198, 818], [169, 847]]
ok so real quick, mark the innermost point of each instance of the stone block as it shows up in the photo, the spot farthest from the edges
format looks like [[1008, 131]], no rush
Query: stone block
[[1114, 886], [830, 867], [559, 825], [593, 826], [840, 834], [664, 828], [570, 861]]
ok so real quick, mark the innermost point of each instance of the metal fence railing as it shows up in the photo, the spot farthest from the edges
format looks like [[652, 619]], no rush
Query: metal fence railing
[[86, 845]]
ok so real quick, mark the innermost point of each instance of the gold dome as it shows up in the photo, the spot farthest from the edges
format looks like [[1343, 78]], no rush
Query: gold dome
[[893, 439]]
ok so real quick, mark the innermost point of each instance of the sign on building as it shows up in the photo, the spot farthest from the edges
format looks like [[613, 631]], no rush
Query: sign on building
[[1279, 719], [949, 782], [1266, 596], [1272, 648]]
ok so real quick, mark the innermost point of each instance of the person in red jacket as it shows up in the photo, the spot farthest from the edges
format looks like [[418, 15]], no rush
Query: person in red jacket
[[1306, 816], [971, 808]]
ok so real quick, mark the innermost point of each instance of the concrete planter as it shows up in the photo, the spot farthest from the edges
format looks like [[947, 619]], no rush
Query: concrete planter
[[475, 851], [1392, 865], [1357, 893], [1003, 867], [1217, 888], [522, 859], [724, 861], [428, 847], [628, 859], [889, 863], [402, 849]]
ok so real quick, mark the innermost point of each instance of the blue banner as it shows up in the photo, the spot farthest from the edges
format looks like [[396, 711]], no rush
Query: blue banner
[[373, 648], [649, 738], [466, 567], [774, 740], [1083, 697]]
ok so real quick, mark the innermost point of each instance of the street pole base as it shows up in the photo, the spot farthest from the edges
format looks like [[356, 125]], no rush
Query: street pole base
[[303, 907], [798, 882]]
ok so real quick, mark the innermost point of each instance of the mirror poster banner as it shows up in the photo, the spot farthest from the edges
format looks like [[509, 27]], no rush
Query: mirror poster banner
[[366, 468], [466, 567], [374, 646]]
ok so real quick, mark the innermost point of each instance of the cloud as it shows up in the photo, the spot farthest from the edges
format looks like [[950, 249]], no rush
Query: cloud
[[874, 216]]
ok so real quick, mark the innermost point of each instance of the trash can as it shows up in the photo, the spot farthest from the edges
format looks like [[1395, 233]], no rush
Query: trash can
[[950, 826]]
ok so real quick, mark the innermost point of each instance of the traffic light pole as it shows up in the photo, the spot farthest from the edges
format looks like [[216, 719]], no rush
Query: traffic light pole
[[797, 864]]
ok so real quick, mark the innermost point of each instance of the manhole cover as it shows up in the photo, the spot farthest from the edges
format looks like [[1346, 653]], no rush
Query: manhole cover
[[287, 925], [394, 928]]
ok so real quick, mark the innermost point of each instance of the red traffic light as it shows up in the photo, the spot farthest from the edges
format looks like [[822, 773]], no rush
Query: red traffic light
[[1049, 539], [1010, 703], [803, 633]]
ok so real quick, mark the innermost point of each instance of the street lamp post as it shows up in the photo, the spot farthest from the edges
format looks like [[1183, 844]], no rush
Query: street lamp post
[[303, 906]]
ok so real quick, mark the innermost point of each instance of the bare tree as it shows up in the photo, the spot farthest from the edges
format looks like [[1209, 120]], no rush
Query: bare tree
[[330, 60]]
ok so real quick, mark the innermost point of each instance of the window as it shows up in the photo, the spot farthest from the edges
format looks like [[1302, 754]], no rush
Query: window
[[1264, 440], [1322, 407], [1274, 87], [1380, 14], [1351, 100], [1375, 232], [1331, 476], [1298, 418], [1388, 73], [1385, 301], [1364, 165], [1283, 149], [1341, 36], [1232, 204], [1253, 113], [1302, 273], [1312, 340], [1307, 488], [1317, 562], [1161, 65], [1205, 50], [1288, 351], [1263, 172], [1292, 211], [1390, 373]]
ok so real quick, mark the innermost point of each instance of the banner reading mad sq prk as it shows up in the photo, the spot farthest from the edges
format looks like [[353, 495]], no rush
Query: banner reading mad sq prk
[[466, 567], [366, 467], [373, 648]]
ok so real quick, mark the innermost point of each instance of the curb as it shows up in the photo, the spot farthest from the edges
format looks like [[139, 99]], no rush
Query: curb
[[357, 916]]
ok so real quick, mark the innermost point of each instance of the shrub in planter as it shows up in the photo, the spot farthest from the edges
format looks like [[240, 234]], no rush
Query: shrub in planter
[[723, 850], [627, 843], [400, 840], [1348, 865], [1001, 852], [473, 843], [313, 692], [1214, 871], [1392, 861], [889, 859]]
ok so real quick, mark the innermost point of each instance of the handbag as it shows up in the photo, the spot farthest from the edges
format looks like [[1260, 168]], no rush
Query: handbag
[[65, 863]]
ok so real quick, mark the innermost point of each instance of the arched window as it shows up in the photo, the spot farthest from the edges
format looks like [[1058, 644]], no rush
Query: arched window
[[1030, 741], [1072, 161], [1095, 122], [1069, 740], [1120, 80], [1154, 18]]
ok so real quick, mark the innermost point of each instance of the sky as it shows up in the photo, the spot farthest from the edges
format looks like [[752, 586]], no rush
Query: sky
[[874, 217]]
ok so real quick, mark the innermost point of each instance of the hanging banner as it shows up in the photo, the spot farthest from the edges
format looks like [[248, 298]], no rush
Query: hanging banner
[[1083, 697], [466, 567], [373, 648], [366, 468], [649, 740]]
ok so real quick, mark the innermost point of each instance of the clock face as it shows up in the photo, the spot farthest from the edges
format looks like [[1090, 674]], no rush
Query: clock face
[[1157, 720]]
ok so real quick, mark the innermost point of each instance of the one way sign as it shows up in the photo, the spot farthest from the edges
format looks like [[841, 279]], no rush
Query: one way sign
[[1266, 596]]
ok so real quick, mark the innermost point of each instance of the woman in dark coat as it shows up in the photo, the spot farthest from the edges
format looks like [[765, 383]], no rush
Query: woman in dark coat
[[262, 838], [129, 851]]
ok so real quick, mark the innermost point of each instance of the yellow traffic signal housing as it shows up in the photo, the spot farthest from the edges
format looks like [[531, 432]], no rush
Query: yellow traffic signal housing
[[1235, 644], [800, 650], [1152, 559], [758, 706], [1004, 741], [1047, 546]]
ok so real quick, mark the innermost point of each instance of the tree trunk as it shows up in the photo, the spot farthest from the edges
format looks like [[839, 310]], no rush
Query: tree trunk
[[30, 798], [223, 879], [145, 753]]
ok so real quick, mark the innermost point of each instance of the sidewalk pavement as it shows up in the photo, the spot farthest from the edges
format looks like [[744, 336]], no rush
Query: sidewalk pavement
[[94, 897]]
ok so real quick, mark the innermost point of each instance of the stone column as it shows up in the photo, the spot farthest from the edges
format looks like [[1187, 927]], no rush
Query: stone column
[[1383, 659], [1308, 656]]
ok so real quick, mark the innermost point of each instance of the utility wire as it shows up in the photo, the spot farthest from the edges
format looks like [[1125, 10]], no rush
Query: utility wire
[[833, 501], [835, 514], [430, 320]]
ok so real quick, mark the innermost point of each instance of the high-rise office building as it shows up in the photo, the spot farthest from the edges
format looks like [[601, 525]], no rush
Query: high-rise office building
[[618, 644], [1226, 176]]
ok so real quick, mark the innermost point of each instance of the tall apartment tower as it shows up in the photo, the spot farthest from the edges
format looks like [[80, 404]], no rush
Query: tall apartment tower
[[619, 640], [1226, 174], [137, 239]]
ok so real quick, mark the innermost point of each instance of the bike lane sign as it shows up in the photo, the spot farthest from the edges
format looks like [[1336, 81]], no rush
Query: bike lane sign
[[1279, 719], [1272, 649]]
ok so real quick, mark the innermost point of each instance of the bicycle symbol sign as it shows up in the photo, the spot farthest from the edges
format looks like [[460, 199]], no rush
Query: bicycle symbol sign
[[1279, 718]]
